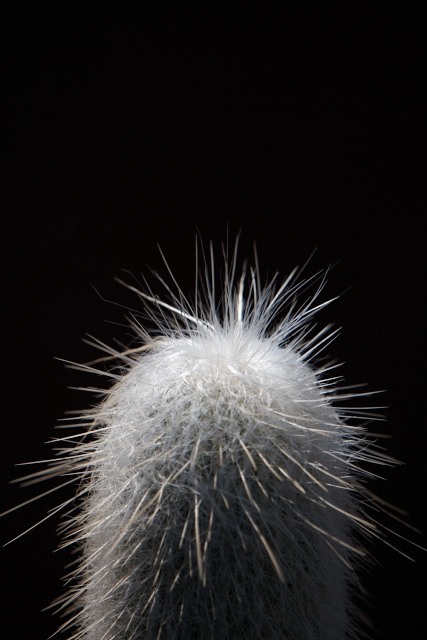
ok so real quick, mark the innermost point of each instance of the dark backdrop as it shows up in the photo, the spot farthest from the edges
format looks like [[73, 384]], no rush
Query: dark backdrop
[[126, 128]]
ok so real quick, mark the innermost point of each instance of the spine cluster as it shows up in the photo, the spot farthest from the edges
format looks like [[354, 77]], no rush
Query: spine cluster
[[221, 489]]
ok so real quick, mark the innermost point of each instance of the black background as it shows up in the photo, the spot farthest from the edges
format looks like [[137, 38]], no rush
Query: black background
[[126, 128]]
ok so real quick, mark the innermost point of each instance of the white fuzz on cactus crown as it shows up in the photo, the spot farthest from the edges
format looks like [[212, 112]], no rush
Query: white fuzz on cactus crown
[[220, 489]]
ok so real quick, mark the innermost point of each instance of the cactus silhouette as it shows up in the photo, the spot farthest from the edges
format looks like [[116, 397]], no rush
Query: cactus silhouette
[[221, 485]]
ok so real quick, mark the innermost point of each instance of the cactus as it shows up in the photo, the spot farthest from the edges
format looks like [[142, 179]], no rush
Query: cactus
[[221, 486]]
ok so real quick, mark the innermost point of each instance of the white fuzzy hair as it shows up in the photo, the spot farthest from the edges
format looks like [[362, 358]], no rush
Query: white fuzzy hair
[[221, 494]]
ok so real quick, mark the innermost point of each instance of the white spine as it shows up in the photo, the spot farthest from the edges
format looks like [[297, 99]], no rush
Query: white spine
[[220, 484]]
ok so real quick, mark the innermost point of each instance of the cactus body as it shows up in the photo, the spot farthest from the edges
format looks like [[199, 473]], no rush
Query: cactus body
[[220, 486]]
